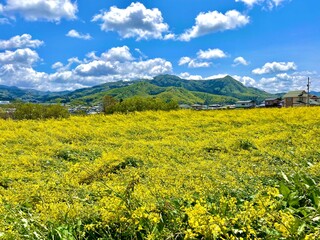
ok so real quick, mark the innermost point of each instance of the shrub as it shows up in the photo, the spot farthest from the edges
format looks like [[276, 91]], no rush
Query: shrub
[[38, 111], [137, 104]]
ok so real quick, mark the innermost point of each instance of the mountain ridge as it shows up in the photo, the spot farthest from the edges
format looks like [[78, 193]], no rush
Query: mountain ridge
[[169, 87]]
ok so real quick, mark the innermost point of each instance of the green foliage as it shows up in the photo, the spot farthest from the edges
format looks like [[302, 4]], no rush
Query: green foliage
[[38, 111], [138, 104], [226, 86], [108, 104], [301, 198]]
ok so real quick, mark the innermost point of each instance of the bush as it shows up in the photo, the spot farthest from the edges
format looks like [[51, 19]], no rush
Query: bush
[[137, 104], [38, 111]]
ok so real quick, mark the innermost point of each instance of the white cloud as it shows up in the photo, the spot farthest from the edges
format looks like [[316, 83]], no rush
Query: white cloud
[[17, 69], [240, 61], [170, 36], [195, 64], [275, 67], [135, 21], [75, 34], [202, 55], [245, 80], [250, 2], [120, 54], [216, 76], [211, 53], [113, 65], [284, 82], [215, 21], [270, 4], [184, 60], [92, 55], [274, 3], [62, 68], [25, 57], [142, 55], [187, 76], [23, 41], [57, 65], [47, 10], [96, 68]]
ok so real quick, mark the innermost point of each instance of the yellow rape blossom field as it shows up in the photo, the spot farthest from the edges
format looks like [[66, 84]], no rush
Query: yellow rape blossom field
[[241, 174]]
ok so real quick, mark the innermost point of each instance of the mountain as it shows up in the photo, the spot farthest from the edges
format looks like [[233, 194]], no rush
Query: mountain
[[9, 93], [168, 87], [146, 89], [315, 93], [226, 86]]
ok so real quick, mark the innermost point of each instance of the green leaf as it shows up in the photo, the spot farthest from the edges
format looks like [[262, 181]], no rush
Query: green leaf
[[315, 199], [285, 177], [284, 190], [301, 228], [293, 200]]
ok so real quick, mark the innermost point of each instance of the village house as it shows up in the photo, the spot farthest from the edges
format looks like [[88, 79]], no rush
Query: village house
[[184, 106], [245, 104], [300, 98], [214, 106], [273, 102], [199, 107]]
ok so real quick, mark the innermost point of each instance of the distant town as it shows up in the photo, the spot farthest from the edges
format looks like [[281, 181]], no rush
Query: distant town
[[297, 98]]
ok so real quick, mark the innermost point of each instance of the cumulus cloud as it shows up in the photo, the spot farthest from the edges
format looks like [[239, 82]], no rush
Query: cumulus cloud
[[202, 55], [280, 83], [215, 21], [23, 41], [57, 65], [96, 68], [270, 4], [188, 76], [284, 82], [17, 68], [250, 2], [142, 55], [211, 53], [120, 54], [193, 63], [25, 57], [47, 10], [135, 21], [170, 36], [240, 61], [75, 34], [245, 80], [184, 60], [60, 67], [274, 67]]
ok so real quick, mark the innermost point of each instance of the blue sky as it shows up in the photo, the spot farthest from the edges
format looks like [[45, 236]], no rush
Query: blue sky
[[65, 44]]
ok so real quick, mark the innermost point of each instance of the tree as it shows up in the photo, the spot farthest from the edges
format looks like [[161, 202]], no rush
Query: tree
[[108, 104]]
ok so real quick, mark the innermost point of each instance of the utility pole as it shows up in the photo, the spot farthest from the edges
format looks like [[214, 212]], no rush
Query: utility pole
[[308, 87]]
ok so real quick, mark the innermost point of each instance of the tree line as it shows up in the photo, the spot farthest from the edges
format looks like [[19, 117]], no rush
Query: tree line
[[20, 111], [136, 104]]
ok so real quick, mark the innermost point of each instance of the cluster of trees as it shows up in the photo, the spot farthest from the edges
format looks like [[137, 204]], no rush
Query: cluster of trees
[[111, 105], [21, 111]]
